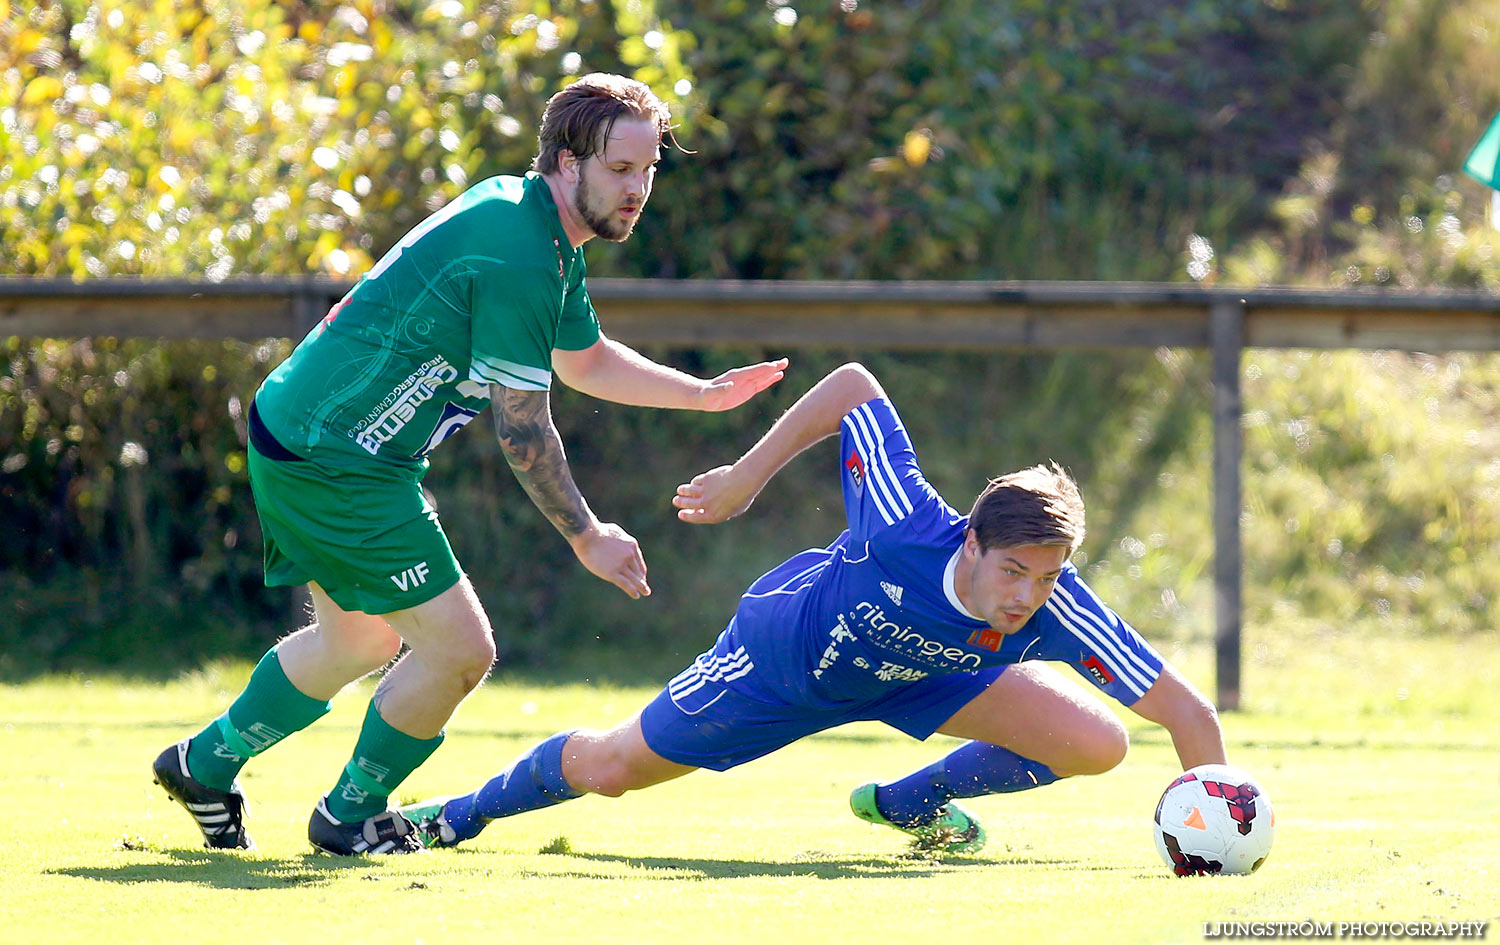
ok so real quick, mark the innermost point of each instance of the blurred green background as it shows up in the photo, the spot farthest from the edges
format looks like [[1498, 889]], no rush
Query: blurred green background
[[1240, 142]]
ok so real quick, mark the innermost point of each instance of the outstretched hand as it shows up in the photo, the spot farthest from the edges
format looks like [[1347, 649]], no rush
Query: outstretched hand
[[736, 386], [714, 496]]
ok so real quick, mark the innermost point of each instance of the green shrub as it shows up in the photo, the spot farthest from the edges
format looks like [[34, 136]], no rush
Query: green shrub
[[1257, 141], [257, 137]]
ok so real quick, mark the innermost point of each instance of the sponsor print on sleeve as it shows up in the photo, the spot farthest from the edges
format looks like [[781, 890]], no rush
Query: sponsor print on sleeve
[[855, 467], [882, 485], [1097, 669]]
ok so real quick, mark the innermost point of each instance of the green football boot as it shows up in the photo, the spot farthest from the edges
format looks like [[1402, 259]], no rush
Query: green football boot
[[954, 831], [427, 817]]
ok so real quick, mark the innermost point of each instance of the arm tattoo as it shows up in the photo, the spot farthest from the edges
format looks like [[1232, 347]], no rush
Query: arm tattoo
[[523, 422]]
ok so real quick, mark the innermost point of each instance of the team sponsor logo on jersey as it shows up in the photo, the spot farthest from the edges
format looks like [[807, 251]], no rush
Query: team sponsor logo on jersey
[[856, 467], [1097, 670], [895, 672], [893, 591], [839, 634], [987, 638], [882, 631], [398, 407]]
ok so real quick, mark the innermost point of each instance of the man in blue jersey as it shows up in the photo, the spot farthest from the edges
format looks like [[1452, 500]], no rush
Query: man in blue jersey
[[477, 307], [917, 615]]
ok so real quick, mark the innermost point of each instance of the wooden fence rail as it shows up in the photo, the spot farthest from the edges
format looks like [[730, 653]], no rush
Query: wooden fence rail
[[929, 315]]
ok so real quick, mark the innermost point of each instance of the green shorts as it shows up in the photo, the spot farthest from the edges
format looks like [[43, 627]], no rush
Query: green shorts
[[367, 535]]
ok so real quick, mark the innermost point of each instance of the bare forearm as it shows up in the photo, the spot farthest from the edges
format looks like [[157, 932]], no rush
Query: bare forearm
[[612, 371], [726, 491], [529, 439], [1176, 705], [814, 417], [618, 373], [1199, 740]]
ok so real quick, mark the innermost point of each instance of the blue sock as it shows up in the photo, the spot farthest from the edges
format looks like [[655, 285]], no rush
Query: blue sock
[[533, 780], [971, 770]]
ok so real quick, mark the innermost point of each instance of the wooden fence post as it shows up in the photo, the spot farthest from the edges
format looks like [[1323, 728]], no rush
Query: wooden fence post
[[1227, 332]]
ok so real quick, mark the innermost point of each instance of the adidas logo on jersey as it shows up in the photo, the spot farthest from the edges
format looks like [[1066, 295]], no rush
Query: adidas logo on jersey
[[893, 591]]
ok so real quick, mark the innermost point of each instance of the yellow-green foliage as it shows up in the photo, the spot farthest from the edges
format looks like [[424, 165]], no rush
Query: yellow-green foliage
[[1309, 142], [914, 140], [257, 137], [1379, 199], [1372, 486]]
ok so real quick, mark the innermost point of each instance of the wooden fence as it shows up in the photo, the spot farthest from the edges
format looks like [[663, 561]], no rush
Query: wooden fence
[[886, 315]]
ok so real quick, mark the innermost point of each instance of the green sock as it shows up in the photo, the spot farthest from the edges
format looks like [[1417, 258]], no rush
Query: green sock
[[383, 757], [269, 709]]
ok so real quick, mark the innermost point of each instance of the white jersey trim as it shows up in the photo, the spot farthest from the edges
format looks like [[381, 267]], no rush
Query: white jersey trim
[[801, 579], [1129, 668], [508, 374], [886, 492], [725, 668], [950, 590]]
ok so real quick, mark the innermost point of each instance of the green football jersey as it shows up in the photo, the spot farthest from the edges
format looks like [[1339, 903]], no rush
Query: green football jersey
[[479, 293]]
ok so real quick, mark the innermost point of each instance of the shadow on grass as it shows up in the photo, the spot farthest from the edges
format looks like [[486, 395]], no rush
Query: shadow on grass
[[226, 871], [676, 869], [235, 871]]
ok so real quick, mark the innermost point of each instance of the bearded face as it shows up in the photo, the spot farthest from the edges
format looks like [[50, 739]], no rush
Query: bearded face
[[614, 184], [604, 215]]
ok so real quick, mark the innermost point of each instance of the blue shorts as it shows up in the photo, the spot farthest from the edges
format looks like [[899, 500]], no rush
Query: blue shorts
[[715, 714]]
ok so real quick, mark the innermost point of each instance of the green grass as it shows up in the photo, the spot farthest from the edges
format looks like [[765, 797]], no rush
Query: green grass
[[1381, 755]]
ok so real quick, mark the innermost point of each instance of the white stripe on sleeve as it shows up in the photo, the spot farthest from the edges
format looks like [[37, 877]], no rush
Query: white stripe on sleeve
[[1090, 627], [882, 465], [862, 448], [890, 500]]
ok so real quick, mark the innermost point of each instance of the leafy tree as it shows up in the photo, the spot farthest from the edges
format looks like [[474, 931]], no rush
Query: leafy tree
[[1241, 141], [218, 138]]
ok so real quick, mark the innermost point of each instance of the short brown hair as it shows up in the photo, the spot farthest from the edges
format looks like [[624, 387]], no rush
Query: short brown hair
[[1036, 506], [580, 118]]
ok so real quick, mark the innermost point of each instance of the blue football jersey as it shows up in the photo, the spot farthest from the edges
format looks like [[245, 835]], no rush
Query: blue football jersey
[[876, 609]]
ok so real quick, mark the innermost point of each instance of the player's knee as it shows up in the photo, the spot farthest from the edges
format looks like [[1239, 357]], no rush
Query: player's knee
[[1095, 750], [375, 649], [609, 782], [610, 771], [360, 645], [473, 658], [1107, 748], [613, 775]]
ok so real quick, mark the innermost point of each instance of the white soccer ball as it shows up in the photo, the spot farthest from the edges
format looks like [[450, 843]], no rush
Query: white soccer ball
[[1214, 819]]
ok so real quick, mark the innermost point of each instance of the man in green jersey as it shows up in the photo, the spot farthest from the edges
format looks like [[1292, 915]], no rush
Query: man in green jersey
[[479, 305]]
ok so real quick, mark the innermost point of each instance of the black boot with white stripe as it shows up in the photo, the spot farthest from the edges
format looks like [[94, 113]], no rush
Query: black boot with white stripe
[[387, 832], [219, 814]]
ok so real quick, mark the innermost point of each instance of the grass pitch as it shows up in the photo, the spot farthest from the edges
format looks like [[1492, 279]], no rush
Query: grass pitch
[[1381, 757]]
